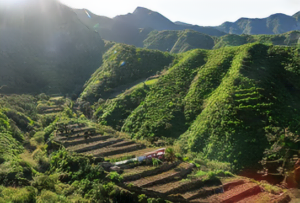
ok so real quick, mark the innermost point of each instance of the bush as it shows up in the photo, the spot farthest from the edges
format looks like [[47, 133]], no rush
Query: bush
[[18, 195], [45, 182], [115, 177], [77, 167], [156, 162], [170, 155], [38, 138], [50, 197], [47, 120]]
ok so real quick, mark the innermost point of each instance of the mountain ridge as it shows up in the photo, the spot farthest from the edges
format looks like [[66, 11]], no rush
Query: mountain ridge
[[277, 23], [136, 28], [142, 17]]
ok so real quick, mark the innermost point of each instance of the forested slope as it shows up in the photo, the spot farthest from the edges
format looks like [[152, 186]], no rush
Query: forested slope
[[221, 102]]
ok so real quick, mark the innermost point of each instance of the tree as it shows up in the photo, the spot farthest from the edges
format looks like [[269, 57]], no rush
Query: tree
[[283, 155]]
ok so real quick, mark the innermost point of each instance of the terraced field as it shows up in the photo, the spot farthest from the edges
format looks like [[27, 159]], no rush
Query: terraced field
[[169, 180]]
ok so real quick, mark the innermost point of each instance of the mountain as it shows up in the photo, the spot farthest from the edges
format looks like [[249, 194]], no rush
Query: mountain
[[148, 29], [222, 103], [297, 16], [110, 29], [45, 48], [123, 66], [182, 23], [181, 41], [143, 18], [178, 41], [274, 24], [133, 28]]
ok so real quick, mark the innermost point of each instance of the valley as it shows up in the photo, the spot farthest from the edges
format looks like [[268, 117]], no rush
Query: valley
[[140, 109]]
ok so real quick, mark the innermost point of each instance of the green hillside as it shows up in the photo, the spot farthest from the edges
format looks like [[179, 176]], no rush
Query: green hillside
[[286, 39], [220, 102], [182, 41], [123, 66], [115, 111], [178, 41]]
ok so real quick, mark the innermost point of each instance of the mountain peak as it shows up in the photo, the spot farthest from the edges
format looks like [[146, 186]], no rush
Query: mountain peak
[[279, 15], [141, 10], [297, 15]]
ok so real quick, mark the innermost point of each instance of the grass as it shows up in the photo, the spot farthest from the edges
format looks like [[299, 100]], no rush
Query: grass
[[27, 157], [268, 187], [151, 82]]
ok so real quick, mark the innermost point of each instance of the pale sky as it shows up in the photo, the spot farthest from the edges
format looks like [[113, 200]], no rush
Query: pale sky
[[200, 12]]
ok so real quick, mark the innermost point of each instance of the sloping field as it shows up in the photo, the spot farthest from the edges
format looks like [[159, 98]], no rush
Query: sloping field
[[168, 180]]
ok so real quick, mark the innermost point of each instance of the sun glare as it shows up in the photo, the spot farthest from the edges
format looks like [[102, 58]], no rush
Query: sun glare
[[12, 2]]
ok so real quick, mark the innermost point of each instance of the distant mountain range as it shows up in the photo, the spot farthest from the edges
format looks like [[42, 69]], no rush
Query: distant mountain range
[[136, 28], [140, 29], [274, 24]]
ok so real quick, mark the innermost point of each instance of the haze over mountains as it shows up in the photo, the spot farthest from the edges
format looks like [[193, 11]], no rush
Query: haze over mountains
[[42, 42], [46, 48], [143, 18], [149, 29]]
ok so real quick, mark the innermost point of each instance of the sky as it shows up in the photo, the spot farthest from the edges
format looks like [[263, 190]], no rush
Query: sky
[[200, 12]]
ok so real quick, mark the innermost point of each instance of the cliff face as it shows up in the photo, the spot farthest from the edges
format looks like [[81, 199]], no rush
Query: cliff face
[[42, 42]]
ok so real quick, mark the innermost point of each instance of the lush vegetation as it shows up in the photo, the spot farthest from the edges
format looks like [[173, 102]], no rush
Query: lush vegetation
[[114, 112], [221, 103], [161, 112], [34, 168], [182, 41], [223, 107], [287, 39], [175, 41], [178, 41], [123, 66]]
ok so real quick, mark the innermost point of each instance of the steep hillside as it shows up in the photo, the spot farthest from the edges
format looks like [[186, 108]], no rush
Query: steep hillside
[[274, 24], [123, 67], [220, 102], [45, 48], [258, 93], [113, 30], [114, 112], [178, 41]]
